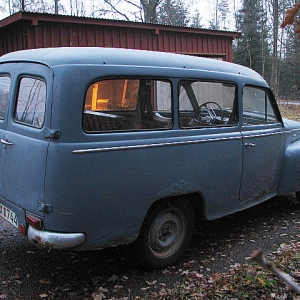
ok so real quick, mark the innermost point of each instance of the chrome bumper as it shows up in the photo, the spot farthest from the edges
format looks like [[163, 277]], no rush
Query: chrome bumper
[[55, 240]]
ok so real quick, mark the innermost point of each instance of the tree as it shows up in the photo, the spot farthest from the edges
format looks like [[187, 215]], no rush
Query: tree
[[77, 8], [142, 10], [196, 20], [172, 12], [252, 49], [223, 8], [289, 87], [149, 8], [32, 6]]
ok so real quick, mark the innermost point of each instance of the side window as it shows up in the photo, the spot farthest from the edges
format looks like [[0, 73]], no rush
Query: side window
[[257, 107], [127, 104], [203, 104], [4, 93], [31, 100]]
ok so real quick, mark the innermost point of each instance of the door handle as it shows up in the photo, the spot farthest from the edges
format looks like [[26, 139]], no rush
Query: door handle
[[250, 145], [5, 142]]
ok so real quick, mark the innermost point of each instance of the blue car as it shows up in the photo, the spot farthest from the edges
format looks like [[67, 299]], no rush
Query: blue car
[[102, 147]]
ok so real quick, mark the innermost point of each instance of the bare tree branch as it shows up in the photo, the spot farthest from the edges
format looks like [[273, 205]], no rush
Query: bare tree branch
[[116, 10], [258, 257], [134, 4]]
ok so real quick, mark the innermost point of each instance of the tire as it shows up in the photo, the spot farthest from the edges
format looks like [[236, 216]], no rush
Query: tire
[[165, 234]]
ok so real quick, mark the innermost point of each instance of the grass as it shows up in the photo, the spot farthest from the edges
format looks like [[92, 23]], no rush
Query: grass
[[290, 111]]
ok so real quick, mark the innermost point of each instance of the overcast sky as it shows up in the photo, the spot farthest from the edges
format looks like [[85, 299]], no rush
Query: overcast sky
[[205, 7]]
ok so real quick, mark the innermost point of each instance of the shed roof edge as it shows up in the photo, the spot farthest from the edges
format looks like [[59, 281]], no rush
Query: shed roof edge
[[109, 22]]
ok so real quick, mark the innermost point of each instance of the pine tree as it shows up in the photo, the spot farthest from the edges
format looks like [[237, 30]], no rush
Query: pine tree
[[289, 87], [223, 8], [172, 12], [252, 49], [196, 20]]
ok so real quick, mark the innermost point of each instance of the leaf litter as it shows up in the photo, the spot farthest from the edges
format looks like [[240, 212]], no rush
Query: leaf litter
[[195, 277], [241, 281]]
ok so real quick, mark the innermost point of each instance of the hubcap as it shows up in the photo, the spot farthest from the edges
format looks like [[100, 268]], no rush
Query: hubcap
[[167, 233]]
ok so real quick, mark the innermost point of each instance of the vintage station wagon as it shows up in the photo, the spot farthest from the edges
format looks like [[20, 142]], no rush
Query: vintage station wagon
[[103, 147]]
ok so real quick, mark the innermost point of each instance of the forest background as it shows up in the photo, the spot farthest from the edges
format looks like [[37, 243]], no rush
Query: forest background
[[263, 46]]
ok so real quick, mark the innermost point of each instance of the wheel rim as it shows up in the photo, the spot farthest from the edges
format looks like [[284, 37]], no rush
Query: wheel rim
[[167, 233]]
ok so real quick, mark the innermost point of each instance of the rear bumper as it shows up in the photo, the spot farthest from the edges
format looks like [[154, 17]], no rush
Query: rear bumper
[[55, 240]]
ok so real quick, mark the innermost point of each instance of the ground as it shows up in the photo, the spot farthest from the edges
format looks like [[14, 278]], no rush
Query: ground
[[29, 272]]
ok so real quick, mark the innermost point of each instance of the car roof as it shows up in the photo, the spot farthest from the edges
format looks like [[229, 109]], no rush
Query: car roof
[[123, 57]]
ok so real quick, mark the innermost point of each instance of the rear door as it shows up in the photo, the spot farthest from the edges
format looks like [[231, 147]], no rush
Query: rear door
[[24, 145], [5, 84]]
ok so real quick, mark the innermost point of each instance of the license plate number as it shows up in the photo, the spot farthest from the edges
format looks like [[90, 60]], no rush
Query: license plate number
[[8, 215]]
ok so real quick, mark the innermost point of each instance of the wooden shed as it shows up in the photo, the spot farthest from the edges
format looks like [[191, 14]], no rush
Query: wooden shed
[[25, 30]]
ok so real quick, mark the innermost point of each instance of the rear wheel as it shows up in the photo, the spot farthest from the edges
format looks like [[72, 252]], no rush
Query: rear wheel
[[165, 234]]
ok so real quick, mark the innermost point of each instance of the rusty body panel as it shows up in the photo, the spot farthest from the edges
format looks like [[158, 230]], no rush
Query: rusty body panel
[[25, 30]]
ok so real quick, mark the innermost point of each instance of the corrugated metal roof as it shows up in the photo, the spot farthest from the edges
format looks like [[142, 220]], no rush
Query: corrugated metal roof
[[25, 30], [99, 21]]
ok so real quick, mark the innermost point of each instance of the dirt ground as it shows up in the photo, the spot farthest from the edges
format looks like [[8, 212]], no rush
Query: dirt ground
[[30, 272]]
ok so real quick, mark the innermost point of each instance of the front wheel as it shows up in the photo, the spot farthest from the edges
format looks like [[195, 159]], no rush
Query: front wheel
[[165, 234]]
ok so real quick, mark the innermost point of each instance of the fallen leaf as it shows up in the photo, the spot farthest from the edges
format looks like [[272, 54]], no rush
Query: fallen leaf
[[113, 278], [118, 287], [42, 281], [43, 296], [151, 282], [99, 297]]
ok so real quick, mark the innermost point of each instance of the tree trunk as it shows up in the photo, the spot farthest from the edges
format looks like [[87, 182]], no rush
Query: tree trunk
[[274, 75], [149, 7]]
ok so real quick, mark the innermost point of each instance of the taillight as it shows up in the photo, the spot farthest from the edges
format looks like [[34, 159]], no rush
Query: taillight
[[22, 229], [34, 222]]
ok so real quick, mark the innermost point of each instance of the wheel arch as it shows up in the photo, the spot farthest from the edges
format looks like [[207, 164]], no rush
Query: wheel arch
[[195, 200], [167, 230]]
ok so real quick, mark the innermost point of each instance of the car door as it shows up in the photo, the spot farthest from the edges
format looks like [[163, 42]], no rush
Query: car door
[[24, 145], [262, 134], [5, 84]]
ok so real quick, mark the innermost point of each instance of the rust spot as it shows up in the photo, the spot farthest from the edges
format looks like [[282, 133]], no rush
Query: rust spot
[[37, 239]]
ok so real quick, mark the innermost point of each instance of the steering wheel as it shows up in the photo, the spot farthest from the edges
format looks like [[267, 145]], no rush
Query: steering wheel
[[206, 113]]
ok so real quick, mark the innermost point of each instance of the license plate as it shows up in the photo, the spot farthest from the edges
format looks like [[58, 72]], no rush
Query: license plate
[[8, 215]]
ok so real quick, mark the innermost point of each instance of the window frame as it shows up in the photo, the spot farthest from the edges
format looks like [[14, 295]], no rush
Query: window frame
[[33, 77], [9, 92], [133, 111], [194, 102], [269, 99]]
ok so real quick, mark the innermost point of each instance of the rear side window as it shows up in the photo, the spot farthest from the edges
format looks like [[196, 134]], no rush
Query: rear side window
[[31, 100], [4, 93], [127, 104]]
